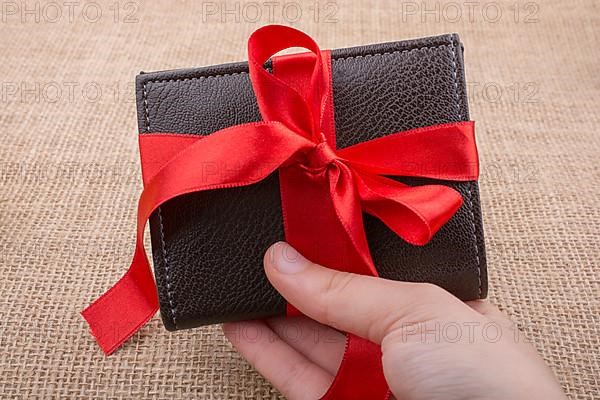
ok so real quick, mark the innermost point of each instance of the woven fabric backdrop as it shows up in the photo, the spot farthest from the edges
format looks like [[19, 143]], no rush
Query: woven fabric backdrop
[[70, 178]]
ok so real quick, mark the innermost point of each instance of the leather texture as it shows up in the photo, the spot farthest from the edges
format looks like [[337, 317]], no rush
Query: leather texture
[[208, 247]]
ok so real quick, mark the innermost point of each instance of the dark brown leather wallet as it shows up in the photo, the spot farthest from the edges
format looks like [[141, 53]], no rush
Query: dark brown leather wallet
[[208, 247]]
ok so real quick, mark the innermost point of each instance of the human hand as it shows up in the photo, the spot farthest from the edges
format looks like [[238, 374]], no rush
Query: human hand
[[434, 346]]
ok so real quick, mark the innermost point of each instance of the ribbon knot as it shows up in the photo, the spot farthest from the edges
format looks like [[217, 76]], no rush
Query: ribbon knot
[[320, 157]]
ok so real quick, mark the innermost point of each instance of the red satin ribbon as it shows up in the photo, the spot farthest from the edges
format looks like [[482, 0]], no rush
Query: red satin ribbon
[[324, 190]]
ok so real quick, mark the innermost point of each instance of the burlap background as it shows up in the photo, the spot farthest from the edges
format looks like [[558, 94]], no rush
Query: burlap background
[[70, 180]]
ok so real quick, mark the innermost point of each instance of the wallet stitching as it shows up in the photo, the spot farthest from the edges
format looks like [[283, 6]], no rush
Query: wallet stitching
[[146, 114], [166, 261], [475, 238], [470, 185], [162, 231], [452, 46], [387, 53], [197, 78], [333, 58]]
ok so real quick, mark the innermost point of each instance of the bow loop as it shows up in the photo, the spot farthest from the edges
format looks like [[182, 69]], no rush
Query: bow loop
[[292, 102], [415, 213], [444, 152]]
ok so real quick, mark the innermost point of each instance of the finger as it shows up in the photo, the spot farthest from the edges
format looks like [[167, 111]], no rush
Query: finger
[[319, 343], [289, 371], [486, 308], [509, 327], [491, 311], [366, 306]]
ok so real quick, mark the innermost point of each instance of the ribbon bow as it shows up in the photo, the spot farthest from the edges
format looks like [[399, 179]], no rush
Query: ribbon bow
[[324, 189]]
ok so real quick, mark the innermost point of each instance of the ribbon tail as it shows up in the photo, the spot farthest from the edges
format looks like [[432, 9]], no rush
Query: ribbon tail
[[361, 373], [126, 307], [244, 154], [347, 207], [415, 213]]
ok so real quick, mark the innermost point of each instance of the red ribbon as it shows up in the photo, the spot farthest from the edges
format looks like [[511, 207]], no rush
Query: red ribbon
[[324, 190]]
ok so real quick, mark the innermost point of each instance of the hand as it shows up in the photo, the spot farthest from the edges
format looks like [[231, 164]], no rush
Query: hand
[[434, 346]]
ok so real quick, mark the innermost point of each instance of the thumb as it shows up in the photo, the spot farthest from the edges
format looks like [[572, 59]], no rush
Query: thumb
[[366, 306]]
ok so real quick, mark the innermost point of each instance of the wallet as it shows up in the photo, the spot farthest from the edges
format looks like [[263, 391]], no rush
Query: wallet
[[208, 247]]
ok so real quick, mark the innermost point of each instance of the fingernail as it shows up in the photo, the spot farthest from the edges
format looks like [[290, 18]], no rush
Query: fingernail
[[285, 259]]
